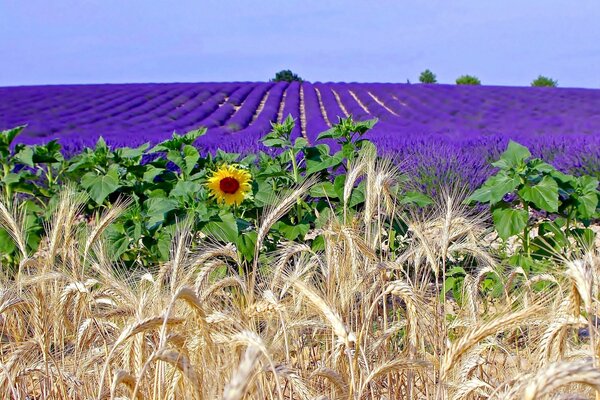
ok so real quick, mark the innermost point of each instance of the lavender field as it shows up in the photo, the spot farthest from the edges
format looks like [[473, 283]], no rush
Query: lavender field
[[444, 131]]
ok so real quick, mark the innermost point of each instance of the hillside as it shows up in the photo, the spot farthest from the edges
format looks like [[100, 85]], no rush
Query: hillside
[[436, 123]]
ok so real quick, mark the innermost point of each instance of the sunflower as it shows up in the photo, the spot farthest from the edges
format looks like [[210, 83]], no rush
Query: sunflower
[[229, 184]]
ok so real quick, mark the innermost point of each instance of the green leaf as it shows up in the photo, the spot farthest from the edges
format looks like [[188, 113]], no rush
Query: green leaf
[[588, 184], [358, 195], [585, 237], [552, 228], [151, 173], [364, 126], [332, 133], [318, 159], [338, 184], [100, 186], [175, 157], [274, 142], [7, 244], [495, 188], [191, 157], [417, 198], [223, 228], [540, 166], [246, 243], [509, 222], [448, 284], [190, 137], [156, 209], [514, 156], [263, 193], [185, 189], [300, 143], [323, 189], [163, 244], [7, 136], [561, 177], [544, 194], [101, 146], [587, 204], [456, 271], [11, 178], [25, 156], [291, 232], [48, 153], [127, 152], [117, 239], [368, 148]]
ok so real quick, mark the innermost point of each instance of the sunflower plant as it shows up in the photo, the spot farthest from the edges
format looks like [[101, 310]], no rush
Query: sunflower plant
[[223, 195]]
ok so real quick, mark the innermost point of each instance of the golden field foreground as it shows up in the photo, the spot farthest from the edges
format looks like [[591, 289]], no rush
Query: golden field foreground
[[355, 321]]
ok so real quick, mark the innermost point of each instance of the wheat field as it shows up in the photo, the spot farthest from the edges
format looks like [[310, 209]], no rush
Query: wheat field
[[355, 321]]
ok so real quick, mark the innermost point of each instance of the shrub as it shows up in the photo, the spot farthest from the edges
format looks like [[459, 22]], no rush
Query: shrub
[[544, 81], [427, 77], [468, 80], [527, 193], [286, 75]]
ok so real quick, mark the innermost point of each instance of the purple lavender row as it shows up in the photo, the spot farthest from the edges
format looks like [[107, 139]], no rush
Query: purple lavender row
[[292, 107], [349, 102], [315, 123], [243, 116], [270, 110], [332, 107]]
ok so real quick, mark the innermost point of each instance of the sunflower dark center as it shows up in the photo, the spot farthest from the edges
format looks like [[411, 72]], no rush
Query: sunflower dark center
[[229, 185]]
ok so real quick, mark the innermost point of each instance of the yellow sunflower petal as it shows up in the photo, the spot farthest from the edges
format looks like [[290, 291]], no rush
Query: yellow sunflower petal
[[229, 184]]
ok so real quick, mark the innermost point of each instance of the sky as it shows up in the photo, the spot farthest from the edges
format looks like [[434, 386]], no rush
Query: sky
[[503, 42]]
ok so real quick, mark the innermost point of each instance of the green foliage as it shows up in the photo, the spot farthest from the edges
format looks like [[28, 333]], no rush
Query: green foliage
[[468, 80], [544, 81], [171, 187], [286, 75], [527, 193], [427, 77]]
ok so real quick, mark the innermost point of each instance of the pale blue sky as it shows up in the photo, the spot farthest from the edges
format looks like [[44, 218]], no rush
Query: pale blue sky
[[503, 42]]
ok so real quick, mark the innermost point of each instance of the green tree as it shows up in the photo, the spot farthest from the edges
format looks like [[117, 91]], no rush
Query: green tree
[[427, 77], [468, 80], [544, 81], [286, 75]]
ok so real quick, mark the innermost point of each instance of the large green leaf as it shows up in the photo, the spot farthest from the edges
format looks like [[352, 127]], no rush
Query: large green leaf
[[7, 244], [246, 243], [587, 204], [509, 222], [7, 136], [223, 228], [185, 189], [25, 156], [587, 196], [544, 195], [319, 159], [190, 157], [99, 186], [151, 173], [495, 188], [273, 142], [323, 189], [263, 193], [156, 209], [513, 156], [127, 152]]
